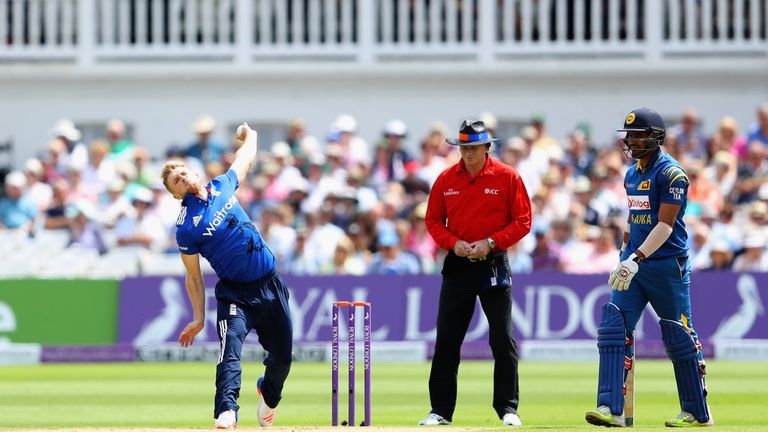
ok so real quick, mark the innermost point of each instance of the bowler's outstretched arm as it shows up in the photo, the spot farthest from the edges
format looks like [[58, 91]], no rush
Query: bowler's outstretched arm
[[246, 154], [196, 293]]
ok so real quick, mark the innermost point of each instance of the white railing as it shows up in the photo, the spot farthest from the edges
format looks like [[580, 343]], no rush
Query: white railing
[[93, 31]]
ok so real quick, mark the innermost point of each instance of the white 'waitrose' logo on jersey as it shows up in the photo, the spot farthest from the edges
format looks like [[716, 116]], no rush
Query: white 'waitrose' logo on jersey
[[639, 202], [219, 217]]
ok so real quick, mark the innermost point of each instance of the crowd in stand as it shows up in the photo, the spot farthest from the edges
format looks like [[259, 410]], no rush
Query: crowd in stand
[[340, 205]]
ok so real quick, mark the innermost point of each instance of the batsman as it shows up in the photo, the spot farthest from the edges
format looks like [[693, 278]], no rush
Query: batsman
[[653, 267]]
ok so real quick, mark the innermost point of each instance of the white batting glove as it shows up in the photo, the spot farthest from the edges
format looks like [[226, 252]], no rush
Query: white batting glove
[[622, 274]]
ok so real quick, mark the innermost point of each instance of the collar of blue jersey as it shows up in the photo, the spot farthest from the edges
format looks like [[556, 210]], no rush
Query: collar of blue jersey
[[487, 168], [189, 196], [644, 168]]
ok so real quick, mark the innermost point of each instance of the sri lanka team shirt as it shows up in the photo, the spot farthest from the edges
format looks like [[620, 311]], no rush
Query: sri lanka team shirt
[[219, 229], [662, 181]]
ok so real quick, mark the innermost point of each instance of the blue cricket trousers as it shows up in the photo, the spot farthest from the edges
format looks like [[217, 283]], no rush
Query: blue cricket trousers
[[665, 284], [263, 306]]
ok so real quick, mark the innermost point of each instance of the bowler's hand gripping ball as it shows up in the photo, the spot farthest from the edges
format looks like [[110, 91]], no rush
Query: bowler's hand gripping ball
[[242, 132]]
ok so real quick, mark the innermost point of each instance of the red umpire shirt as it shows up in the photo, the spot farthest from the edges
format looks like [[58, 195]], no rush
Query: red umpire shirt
[[494, 204]]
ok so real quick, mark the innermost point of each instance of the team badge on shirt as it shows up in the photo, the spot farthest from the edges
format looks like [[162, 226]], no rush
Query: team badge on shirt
[[645, 185]]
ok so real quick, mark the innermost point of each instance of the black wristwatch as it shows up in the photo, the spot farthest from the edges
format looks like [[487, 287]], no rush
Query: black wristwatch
[[491, 243]]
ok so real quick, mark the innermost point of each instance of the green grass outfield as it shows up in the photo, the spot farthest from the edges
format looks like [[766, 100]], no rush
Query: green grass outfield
[[554, 396]]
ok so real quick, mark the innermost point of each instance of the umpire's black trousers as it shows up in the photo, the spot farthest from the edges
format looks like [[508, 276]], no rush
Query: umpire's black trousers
[[463, 282]]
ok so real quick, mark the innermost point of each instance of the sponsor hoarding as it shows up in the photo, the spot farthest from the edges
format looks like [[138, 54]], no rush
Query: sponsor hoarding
[[547, 307]]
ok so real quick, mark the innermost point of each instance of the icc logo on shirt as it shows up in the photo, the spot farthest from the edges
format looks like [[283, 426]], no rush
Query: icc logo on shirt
[[491, 191]]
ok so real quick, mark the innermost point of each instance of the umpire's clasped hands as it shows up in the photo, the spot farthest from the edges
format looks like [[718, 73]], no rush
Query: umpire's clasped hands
[[475, 251]]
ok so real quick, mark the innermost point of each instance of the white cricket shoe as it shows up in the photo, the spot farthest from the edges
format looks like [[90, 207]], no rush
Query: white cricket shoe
[[511, 419], [603, 416], [226, 420], [266, 414], [434, 420]]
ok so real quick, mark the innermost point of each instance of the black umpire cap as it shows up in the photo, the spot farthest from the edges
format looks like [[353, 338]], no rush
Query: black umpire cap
[[472, 133]]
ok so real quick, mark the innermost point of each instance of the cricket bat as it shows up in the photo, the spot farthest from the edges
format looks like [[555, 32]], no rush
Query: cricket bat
[[629, 394]]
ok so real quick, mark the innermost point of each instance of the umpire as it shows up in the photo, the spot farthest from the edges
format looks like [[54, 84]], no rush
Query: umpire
[[477, 209]]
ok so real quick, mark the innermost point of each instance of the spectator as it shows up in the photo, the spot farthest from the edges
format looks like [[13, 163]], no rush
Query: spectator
[[100, 170], [335, 166], [74, 152], [752, 174], [301, 144], [519, 262], [701, 192], [754, 258], [579, 154], [759, 131], [115, 205], [722, 172], [543, 141], [361, 240], [728, 132], [700, 246], [380, 168], [723, 226], [758, 218], [323, 236], [545, 254], [205, 148], [142, 229], [259, 202], [556, 199], [53, 165], [299, 192], [436, 136], [37, 192], [320, 182], [120, 147], [288, 175], [517, 154], [80, 189], [366, 197], [720, 257], [55, 217], [303, 261], [353, 148], [145, 175], [583, 194], [166, 209], [390, 259], [345, 262], [597, 255], [276, 229], [344, 205], [689, 137], [85, 230], [431, 164], [16, 211], [419, 241]]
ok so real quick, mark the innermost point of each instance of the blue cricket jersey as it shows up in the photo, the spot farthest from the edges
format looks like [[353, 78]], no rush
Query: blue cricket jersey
[[221, 231], [662, 181]]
